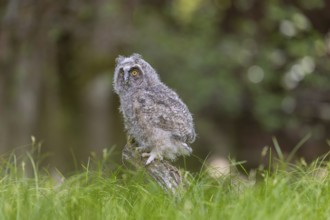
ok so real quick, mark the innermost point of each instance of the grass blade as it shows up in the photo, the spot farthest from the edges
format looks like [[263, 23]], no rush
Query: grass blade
[[278, 149], [35, 172], [298, 146]]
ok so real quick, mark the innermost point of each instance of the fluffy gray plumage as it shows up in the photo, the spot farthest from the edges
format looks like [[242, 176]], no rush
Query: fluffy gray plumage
[[154, 115]]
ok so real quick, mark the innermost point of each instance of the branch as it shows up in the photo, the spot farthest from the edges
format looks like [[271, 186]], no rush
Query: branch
[[163, 172]]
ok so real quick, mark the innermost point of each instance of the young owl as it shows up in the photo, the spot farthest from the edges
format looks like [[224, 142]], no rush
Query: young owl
[[154, 115]]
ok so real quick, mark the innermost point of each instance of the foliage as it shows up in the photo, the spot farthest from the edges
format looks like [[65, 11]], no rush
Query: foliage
[[228, 52]]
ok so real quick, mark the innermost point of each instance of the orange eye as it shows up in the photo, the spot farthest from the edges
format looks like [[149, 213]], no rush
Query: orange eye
[[134, 72]]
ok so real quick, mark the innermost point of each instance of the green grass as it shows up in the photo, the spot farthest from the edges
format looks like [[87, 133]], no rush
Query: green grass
[[282, 191], [299, 192]]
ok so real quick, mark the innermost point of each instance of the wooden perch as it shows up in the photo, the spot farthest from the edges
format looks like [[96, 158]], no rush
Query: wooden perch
[[164, 173]]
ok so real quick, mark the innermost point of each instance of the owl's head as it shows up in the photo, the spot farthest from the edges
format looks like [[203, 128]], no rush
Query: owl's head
[[133, 72]]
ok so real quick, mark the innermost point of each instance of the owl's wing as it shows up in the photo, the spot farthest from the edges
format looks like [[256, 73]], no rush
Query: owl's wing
[[163, 109]]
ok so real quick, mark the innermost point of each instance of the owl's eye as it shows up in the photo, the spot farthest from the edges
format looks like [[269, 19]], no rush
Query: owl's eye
[[134, 72]]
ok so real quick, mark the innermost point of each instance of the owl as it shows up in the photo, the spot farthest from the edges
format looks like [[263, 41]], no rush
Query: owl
[[154, 115]]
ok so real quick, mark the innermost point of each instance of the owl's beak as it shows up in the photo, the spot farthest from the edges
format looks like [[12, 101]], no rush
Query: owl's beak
[[126, 74]]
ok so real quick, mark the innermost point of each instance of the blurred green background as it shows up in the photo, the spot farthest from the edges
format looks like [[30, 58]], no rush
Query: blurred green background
[[248, 70]]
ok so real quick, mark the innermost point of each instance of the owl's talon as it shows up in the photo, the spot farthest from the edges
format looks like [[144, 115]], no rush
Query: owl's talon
[[152, 157], [140, 149], [145, 154]]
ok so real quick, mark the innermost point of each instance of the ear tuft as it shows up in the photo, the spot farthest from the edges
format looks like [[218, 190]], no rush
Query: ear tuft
[[136, 56], [119, 59]]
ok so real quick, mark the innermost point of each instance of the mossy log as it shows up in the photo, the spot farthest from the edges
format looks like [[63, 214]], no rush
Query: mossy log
[[163, 172]]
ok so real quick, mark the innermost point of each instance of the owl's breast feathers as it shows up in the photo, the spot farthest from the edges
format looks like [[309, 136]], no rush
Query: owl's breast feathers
[[160, 107]]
